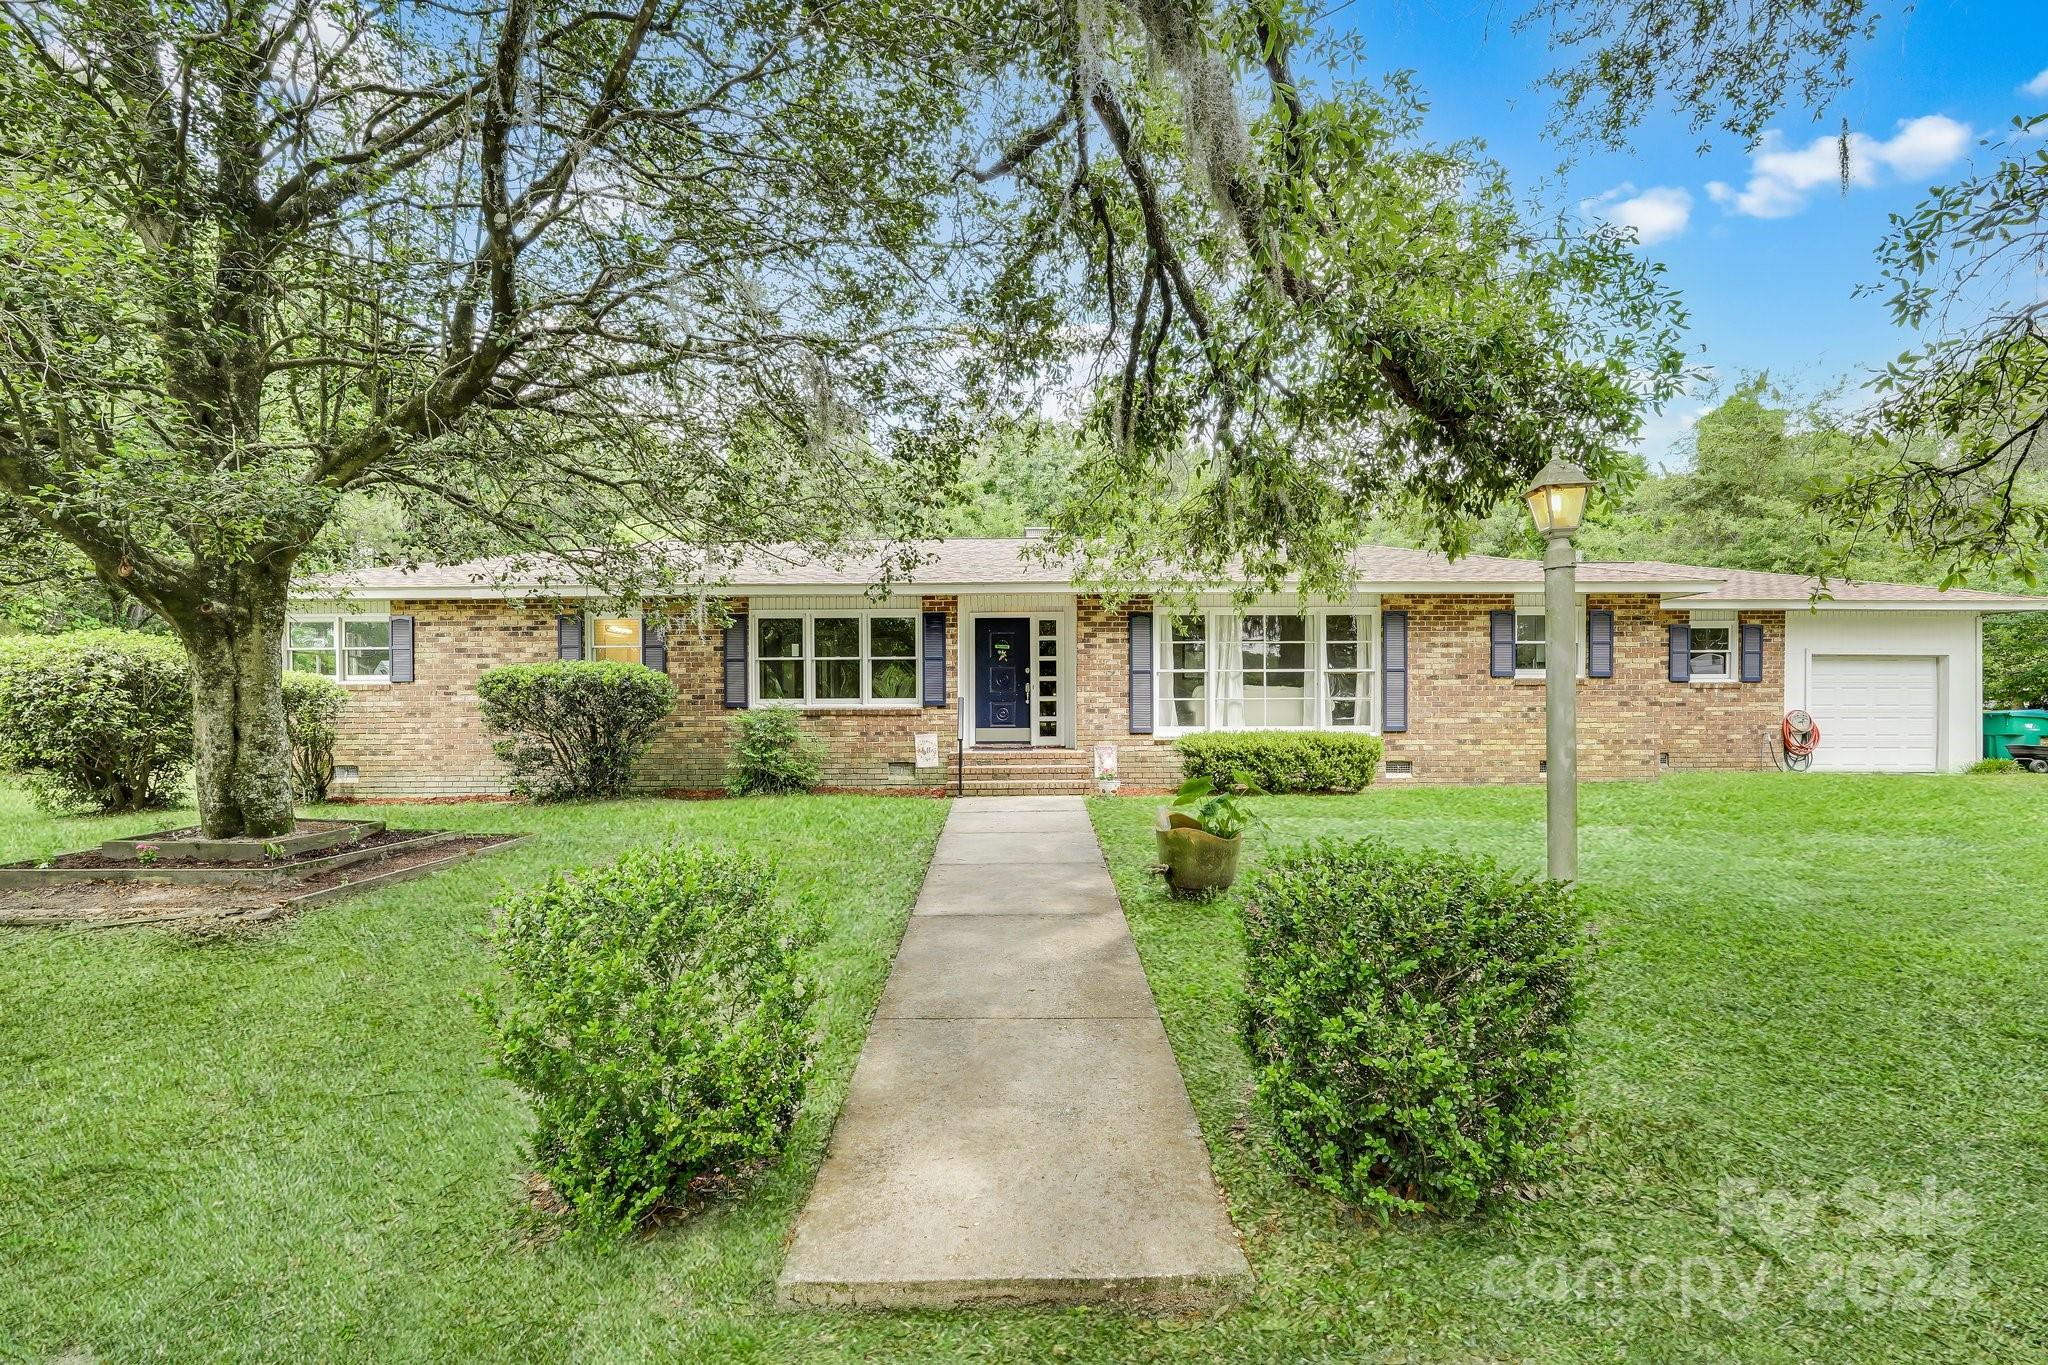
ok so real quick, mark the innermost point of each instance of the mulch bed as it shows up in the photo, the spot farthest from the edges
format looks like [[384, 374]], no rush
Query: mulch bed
[[93, 858], [114, 904]]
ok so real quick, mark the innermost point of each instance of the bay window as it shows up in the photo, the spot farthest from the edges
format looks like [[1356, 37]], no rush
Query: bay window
[[836, 658]]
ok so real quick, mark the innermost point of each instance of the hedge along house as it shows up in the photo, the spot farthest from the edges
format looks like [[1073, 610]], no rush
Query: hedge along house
[[991, 671]]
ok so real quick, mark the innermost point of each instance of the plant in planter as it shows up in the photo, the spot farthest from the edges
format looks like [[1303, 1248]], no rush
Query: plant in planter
[[1200, 834]]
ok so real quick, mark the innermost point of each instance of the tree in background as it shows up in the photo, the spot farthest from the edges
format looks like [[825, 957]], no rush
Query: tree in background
[[558, 276], [1753, 493], [599, 281], [1301, 309], [1961, 417], [1731, 65], [1016, 476], [1966, 411]]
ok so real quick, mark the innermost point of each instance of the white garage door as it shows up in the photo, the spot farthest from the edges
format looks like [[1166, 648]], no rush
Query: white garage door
[[1877, 713]]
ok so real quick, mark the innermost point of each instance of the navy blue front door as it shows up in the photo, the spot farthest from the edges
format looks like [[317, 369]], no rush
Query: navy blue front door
[[1001, 656]]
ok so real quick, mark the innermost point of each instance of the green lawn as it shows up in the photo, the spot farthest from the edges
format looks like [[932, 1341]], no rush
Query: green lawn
[[284, 1143], [1836, 988]]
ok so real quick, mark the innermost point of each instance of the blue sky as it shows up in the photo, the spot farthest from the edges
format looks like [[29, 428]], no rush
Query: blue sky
[[1764, 247]]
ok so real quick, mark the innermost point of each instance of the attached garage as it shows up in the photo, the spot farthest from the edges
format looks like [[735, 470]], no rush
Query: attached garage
[[1877, 713]]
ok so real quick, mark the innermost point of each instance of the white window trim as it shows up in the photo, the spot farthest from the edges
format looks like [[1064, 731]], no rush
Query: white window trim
[[1164, 672], [1221, 627], [340, 621], [590, 620], [1539, 674], [866, 701], [1715, 620], [1522, 614]]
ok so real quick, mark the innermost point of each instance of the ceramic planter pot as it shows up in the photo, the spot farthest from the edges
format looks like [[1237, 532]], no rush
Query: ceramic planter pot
[[1194, 861]]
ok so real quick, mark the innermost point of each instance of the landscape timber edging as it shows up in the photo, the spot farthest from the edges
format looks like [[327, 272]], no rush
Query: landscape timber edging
[[30, 878], [329, 834]]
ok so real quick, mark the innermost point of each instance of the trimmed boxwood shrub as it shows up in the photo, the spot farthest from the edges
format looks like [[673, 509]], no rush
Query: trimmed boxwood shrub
[[100, 719], [1281, 761], [569, 729], [656, 1015], [1410, 1017], [312, 710], [772, 755]]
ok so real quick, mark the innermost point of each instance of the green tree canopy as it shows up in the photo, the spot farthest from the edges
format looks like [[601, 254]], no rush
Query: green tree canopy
[[607, 282], [551, 275]]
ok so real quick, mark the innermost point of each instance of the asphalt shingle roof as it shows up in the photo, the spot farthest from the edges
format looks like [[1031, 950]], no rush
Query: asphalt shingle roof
[[969, 562]]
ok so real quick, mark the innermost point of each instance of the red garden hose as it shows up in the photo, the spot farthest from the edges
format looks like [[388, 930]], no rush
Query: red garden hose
[[1801, 736]]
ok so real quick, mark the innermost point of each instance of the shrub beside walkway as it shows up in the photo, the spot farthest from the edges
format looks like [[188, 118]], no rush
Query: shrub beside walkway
[[1017, 1130]]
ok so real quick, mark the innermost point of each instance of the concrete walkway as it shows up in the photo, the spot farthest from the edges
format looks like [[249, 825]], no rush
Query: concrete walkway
[[1017, 1130]]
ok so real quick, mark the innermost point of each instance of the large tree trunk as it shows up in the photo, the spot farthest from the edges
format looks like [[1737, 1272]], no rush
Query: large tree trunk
[[241, 758]]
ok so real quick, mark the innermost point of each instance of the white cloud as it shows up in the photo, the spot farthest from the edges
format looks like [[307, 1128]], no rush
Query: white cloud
[[1782, 177], [2037, 88], [1656, 214]]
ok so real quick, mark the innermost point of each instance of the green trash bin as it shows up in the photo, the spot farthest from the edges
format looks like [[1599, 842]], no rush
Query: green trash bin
[[2013, 727]]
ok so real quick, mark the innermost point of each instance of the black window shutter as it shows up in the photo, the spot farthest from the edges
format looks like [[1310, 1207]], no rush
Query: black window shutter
[[1599, 644], [736, 664], [1752, 653], [654, 647], [1141, 672], [1503, 653], [568, 637], [935, 658], [1394, 671], [1681, 654]]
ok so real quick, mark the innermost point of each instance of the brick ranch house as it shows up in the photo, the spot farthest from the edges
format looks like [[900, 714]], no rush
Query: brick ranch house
[[1013, 675]]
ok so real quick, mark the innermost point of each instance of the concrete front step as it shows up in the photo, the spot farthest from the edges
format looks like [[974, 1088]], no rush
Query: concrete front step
[[1076, 787]]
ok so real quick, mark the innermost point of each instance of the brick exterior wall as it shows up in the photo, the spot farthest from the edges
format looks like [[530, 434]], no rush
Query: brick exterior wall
[[864, 746], [1467, 726], [1102, 672], [424, 738]]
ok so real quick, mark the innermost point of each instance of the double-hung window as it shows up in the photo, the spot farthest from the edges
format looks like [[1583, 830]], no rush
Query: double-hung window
[[892, 658], [1713, 648], [1187, 671], [836, 658], [1347, 670], [1532, 652], [1268, 670], [614, 639], [1273, 670], [345, 648]]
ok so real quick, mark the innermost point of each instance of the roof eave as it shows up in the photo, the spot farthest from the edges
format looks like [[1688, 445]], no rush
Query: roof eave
[[1996, 604]]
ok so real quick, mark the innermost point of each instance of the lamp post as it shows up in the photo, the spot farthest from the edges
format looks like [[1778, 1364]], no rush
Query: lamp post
[[1557, 500]]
